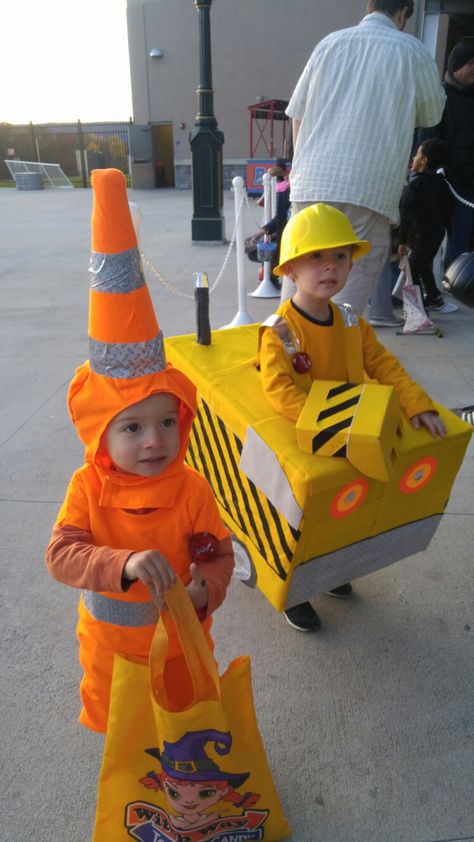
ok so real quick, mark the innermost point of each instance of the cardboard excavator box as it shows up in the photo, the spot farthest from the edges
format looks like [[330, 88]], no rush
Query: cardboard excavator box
[[307, 521], [357, 421]]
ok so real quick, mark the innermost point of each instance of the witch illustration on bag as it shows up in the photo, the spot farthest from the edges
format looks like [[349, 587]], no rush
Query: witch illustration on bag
[[192, 782]]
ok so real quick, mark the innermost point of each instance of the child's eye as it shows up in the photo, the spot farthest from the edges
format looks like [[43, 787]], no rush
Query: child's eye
[[316, 255], [168, 422], [341, 255], [173, 793], [132, 428]]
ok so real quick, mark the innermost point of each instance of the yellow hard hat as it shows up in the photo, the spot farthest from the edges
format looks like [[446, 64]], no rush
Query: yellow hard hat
[[318, 227]]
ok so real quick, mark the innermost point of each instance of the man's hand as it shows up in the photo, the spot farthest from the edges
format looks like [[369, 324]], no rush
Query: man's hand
[[431, 421], [402, 250], [154, 571], [197, 588]]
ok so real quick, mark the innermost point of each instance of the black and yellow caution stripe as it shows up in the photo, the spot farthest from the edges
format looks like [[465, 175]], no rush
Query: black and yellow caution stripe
[[215, 452], [339, 410]]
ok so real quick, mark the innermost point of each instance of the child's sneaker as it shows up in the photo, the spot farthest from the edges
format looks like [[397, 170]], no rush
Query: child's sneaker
[[303, 617], [466, 413], [439, 305]]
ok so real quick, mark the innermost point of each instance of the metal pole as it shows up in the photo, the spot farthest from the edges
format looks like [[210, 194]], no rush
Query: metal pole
[[35, 141], [206, 144], [201, 297], [242, 317], [82, 153]]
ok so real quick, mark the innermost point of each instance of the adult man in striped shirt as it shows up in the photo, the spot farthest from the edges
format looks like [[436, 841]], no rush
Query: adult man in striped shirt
[[354, 111]]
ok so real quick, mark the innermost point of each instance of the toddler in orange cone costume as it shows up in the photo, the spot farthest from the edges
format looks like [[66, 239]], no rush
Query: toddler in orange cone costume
[[135, 516]]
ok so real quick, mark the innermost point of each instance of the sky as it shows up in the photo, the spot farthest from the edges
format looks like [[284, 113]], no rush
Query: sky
[[60, 62]]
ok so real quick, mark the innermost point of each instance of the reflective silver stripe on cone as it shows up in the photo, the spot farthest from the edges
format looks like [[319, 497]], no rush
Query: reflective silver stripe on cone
[[127, 359], [130, 614], [120, 272]]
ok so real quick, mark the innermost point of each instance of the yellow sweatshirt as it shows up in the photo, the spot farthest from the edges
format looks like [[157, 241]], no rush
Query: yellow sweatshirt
[[326, 346]]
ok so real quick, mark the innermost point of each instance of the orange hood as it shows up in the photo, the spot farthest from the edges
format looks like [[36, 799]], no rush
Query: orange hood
[[127, 359], [94, 400]]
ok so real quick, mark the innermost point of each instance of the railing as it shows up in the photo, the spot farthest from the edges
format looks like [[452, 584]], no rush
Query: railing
[[78, 148]]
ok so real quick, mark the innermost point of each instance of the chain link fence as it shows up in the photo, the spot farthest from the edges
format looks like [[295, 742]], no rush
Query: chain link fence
[[78, 148]]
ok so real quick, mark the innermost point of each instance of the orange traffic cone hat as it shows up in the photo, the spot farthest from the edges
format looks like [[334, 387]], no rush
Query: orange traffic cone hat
[[127, 360], [125, 339]]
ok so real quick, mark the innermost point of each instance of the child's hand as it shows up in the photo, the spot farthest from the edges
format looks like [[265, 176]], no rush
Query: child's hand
[[154, 571], [431, 421], [197, 588]]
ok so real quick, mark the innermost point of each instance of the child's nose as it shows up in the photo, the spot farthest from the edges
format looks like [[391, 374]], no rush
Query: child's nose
[[152, 438]]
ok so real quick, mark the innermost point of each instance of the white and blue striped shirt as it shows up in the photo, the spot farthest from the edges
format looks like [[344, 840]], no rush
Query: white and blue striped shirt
[[359, 99]]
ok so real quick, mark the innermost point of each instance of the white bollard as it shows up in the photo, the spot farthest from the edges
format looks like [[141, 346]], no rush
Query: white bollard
[[265, 288], [273, 196], [242, 317]]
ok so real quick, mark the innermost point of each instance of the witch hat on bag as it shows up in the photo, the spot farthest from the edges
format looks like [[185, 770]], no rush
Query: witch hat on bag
[[186, 759], [127, 360]]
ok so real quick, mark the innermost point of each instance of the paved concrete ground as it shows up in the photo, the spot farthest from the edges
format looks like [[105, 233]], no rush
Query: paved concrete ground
[[368, 724]]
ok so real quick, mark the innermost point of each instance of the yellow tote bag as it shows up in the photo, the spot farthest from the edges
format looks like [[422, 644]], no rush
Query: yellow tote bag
[[183, 758]]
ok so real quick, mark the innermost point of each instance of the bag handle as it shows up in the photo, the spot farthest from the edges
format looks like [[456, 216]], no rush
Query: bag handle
[[405, 277], [405, 266], [200, 662]]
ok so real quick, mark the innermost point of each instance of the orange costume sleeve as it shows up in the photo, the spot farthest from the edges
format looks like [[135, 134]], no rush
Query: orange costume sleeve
[[73, 559]]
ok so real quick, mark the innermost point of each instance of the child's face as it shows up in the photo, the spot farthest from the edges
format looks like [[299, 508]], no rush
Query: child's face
[[144, 438], [321, 274], [465, 74], [419, 163], [192, 798]]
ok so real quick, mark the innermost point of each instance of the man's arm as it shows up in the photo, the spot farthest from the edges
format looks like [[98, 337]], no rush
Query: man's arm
[[430, 96], [295, 127]]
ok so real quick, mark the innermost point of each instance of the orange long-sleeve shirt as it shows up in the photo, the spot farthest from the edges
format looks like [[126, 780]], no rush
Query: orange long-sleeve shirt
[[91, 543]]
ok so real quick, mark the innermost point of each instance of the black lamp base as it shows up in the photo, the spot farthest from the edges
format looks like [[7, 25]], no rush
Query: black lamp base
[[208, 229]]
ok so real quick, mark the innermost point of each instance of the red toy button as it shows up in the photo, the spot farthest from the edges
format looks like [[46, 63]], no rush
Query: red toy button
[[301, 362], [203, 546]]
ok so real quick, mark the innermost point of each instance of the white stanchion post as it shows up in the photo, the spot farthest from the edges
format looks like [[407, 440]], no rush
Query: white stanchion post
[[265, 288], [273, 196], [267, 197], [241, 317]]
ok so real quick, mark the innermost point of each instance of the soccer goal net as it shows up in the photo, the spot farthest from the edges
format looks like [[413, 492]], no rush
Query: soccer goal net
[[52, 174]]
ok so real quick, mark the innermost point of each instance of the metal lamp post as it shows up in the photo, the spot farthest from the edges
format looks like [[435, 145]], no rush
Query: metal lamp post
[[206, 144]]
